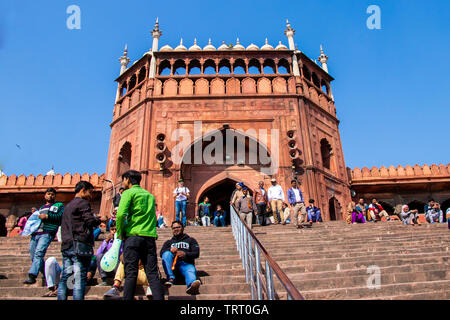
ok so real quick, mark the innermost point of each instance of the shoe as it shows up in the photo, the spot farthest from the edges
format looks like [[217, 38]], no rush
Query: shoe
[[31, 279], [51, 293], [169, 283], [148, 293], [193, 288], [103, 284], [299, 227], [112, 293]]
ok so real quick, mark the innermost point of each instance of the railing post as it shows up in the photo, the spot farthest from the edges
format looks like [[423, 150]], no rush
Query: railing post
[[246, 258], [250, 265], [258, 272], [269, 281]]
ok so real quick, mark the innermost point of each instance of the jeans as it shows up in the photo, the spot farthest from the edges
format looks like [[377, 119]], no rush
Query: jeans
[[261, 210], [141, 248], [38, 248], [314, 217], [181, 206], [187, 270], [78, 267], [219, 220], [52, 272], [206, 221]]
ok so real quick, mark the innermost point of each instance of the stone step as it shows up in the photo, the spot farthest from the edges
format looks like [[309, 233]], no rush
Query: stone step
[[384, 291], [361, 280], [176, 290]]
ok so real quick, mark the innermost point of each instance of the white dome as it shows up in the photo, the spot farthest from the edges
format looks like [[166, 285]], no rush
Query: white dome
[[223, 46], [281, 46], [195, 47], [166, 48], [181, 47], [252, 47], [266, 46], [238, 46], [209, 47]]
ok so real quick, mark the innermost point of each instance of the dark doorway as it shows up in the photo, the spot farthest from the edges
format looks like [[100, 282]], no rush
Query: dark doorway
[[444, 206], [221, 194], [332, 208]]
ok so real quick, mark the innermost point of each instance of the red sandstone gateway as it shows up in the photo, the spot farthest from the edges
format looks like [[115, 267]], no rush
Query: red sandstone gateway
[[230, 89]]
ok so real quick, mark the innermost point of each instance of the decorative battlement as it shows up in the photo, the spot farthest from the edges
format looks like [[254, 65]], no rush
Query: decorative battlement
[[383, 173], [228, 70], [39, 183]]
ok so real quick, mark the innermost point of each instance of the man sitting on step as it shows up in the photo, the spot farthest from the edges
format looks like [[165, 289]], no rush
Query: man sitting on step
[[185, 250], [375, 209]]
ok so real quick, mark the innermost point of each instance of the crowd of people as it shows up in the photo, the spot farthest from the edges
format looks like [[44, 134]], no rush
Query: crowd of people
[[134, 223], [265, 206], [361, 212]]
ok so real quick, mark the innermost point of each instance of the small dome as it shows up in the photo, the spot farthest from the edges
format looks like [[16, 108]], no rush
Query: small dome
[[209, 47], [195, 47], [180, 46], [223, 46], [238, 46], [281, 46], [252, 47], [166, 48], [266, 46]]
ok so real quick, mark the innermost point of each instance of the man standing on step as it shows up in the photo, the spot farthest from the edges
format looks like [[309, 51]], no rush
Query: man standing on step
[[275, 195], [260, 198], [295, 198], [77, 247], [50, 214], [137, 207], [185, 249], [246, 207], [181, 194]]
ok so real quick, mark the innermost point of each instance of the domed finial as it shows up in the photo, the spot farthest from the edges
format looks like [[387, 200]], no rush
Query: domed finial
[[125, 52], [321, 49], [209, 42], [181, 41], [195, 41], [237, 41], [267, 41]]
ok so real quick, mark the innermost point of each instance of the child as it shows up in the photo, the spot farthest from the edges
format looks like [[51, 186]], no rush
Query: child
[[219, 216]]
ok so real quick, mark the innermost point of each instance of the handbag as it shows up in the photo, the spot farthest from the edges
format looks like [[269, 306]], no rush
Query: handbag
[[81, 249]]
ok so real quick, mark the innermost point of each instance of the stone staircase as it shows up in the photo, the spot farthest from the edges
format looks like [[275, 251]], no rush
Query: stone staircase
[[219, 268], [331, 260], [328, 261]]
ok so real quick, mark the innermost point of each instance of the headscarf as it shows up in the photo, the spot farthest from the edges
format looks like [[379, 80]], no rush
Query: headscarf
[[404, 207]]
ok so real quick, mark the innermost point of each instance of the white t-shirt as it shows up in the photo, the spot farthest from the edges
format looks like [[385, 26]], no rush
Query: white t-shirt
[[297, 195], [181, 197]]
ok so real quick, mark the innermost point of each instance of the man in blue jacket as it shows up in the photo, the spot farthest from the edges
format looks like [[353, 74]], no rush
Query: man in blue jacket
[[295, 199]]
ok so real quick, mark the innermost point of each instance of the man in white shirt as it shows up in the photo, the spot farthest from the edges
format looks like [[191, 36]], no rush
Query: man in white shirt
[[181, 194], [275, 195]]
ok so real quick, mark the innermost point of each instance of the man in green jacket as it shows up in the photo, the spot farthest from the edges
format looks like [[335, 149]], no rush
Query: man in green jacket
[[137, 207]]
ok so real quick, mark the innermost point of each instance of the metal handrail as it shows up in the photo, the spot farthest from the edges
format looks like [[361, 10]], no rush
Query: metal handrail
[[251, 262]]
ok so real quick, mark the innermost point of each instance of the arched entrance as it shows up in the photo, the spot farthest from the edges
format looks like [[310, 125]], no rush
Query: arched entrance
[[332, 209], [220, 194], [243, 162]]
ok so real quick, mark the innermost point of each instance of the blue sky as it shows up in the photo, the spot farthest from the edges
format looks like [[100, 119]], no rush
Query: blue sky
[[58, 88]]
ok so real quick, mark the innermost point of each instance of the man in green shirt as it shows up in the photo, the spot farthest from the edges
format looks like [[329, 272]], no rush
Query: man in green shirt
[[136, 225]]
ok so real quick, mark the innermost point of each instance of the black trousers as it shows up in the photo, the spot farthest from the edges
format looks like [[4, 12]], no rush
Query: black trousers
[[261, 216], [141, 248]]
